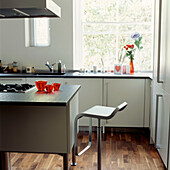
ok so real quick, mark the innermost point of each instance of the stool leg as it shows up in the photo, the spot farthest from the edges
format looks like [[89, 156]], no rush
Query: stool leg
[[73, 157], [104, 133], [65, 161], [5, 161], [99, 145]]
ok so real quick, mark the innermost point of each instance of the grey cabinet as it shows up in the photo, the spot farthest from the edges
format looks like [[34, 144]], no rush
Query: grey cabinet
[[133, 92], [112, 92]]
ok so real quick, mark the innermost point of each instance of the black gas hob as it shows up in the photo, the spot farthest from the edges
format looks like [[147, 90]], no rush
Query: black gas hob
[[15, 88]]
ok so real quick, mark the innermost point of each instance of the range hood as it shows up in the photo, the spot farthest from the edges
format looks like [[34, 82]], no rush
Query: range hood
[[29, 8]]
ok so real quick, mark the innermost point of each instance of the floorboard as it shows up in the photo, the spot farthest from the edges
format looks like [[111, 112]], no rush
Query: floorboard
[[120, 151]]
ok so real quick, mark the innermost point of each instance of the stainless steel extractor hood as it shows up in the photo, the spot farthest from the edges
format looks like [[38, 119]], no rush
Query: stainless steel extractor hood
[[29, 8]]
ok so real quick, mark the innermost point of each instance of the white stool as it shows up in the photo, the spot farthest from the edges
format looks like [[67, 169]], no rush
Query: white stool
[[98, 112]]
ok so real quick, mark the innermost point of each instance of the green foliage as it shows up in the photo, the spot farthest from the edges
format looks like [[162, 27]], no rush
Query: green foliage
[[138, 43]]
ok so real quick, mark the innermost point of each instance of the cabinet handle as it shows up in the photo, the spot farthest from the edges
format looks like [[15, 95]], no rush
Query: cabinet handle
[[156, 121], [159, 42]]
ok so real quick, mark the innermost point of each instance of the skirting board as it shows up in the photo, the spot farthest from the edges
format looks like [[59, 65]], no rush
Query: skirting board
[[117, 129]]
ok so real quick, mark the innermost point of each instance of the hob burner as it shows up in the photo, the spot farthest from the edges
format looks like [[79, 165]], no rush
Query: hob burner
[[16, 88]]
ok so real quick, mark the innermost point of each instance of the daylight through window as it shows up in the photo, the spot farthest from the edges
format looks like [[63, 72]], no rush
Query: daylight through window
[[105, 27]]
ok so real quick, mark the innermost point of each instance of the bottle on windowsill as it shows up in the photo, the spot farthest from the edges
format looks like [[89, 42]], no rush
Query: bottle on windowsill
[[1, 70], [59, 66], [63, 68]]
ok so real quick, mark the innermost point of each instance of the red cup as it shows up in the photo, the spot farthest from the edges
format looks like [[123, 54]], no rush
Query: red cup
[[41, 85], [56, 86], [49, 88]]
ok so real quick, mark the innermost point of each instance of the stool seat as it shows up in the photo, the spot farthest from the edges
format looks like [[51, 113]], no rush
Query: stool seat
[[100, 112]]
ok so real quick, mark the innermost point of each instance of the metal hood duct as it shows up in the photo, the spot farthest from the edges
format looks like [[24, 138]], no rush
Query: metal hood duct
[[29, 8]]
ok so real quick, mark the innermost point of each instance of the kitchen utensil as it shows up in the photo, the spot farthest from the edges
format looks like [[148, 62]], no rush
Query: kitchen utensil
[[56, 86], [41, 85], [49, 88]]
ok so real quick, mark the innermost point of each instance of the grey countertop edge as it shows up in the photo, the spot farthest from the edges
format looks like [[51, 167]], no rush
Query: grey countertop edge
[[80, 75]]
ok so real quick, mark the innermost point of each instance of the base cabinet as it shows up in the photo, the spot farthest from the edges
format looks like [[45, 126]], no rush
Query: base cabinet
[[112, 92], [132, 91]]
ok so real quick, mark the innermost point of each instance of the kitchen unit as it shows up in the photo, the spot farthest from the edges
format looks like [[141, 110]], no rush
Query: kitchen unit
[[160, 91], [103, 89], [112, 91], [39, 122]]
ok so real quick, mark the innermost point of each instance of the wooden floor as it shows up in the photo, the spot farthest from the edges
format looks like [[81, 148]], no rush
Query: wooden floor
[[120, 151]]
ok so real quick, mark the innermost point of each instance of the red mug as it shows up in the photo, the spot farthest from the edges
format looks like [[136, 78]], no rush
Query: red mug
[[41, 85], [49, 88], [56, 86]]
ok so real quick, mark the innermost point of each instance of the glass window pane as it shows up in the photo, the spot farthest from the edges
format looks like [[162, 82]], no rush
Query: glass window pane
[[99, 10], [99, 47], [96, 28], [135, 10]]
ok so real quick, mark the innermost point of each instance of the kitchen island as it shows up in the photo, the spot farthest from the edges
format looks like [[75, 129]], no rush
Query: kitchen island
[[38, 122]]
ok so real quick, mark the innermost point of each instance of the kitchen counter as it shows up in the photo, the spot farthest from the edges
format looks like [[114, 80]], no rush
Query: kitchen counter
[[73, 74], [32, 97], [35, 122]]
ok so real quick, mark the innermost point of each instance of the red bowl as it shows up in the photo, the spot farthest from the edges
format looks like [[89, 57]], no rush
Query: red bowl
[[41, 85], [49, 88], [56, 86]]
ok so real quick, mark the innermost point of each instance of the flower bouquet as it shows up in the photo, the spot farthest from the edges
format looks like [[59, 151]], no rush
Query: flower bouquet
[[130, 49]]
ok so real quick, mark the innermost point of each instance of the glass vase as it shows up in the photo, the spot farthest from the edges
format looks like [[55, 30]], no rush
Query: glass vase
[[131, 67]]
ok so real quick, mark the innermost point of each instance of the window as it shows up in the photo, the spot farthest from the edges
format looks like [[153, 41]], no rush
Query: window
[[102, 28], [37, 32]]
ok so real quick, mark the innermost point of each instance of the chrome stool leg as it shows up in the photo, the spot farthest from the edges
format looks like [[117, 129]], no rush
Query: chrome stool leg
[[75, 148], [73, 163], [99, 145]]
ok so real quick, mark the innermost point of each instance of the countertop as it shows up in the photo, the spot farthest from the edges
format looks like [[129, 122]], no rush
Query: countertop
[[73, 74], [32, 97]]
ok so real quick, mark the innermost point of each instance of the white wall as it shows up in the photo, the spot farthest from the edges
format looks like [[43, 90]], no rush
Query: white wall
[[14, 49]]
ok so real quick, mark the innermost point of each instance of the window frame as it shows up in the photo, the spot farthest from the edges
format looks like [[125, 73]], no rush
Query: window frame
[[78, 34]]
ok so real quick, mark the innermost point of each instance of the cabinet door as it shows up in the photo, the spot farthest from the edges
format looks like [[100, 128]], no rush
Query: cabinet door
[[12, 80], [117, 91], [154, 91], [166, 85], [162, 126], [90, 94]]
